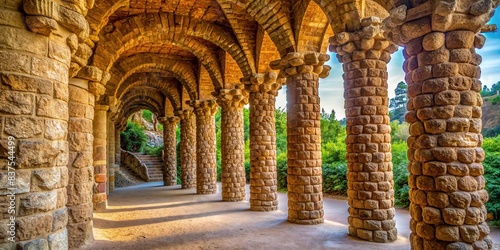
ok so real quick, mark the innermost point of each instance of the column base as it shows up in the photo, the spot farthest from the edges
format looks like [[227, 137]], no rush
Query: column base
[[381, 236], [205, 192], [101, 206], [233, 199], [306, 222], [188, 186], [168, 184], [263, 209]]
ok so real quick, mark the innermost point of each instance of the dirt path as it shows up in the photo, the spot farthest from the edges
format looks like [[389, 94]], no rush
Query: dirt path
[[151, 216]]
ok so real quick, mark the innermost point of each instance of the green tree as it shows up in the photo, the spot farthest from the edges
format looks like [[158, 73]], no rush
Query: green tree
[[397, 105], [133, 138]]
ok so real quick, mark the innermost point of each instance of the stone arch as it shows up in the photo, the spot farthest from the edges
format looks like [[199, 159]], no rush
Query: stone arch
[[203, 52], [274, 19], [312, 29], [139, 80], [170, 25], [98, 16], [145, 95], [182, 70]]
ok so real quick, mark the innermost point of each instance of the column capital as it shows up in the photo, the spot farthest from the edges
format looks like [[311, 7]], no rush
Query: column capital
[[203, 107], [184, 113], [405, 24], [369, 38], [263, 82], [101, 107], [169, 119], [300, 63], [233, 98]]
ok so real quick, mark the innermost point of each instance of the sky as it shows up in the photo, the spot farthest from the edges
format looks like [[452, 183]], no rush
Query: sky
[[331, 88]]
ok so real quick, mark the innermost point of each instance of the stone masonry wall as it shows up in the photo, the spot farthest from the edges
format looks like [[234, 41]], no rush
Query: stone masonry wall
[[305, 194], [263, 173], [233, 177], [206, 164], [446, 180], [188, 148], [365, 55]]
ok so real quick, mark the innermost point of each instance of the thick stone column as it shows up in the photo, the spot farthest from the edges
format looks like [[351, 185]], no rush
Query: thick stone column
[[188, 148], [233, 178], [34, 153], [305, 194], [365, 54], [263, 173], [100, 171], [444, 111], [206, 164], [169, 149], [82, 93]]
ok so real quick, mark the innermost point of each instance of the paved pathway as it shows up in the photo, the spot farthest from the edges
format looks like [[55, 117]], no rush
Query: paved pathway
[[151, 216]]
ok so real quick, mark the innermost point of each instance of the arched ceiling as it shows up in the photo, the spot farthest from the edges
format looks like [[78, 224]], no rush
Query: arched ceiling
[[144, 42]]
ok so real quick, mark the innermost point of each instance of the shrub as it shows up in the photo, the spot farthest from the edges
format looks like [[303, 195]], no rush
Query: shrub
[[335, 178], [133, 138], [147, 115], [149, 150], [491, 165], [400, 172], [281, 164]]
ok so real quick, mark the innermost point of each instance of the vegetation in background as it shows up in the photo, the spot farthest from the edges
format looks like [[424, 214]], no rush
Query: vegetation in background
[[491, 166], [147, 115], [490, 91], [397, 105], [133, 138]]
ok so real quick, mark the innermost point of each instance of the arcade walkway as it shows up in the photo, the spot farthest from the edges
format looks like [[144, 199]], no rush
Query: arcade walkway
[[152, 216]]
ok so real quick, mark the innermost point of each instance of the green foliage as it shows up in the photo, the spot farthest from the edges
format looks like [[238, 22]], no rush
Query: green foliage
[[400, 173], [147, 115], [491, 165], [133, 138], [491, 132], [400, 131], [281, 164], [397, 105], [495, 100], [149, 150], [489, 92], [335, 179]]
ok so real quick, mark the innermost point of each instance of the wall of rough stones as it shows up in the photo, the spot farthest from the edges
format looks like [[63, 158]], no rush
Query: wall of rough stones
[[169, 149], [128, 160]]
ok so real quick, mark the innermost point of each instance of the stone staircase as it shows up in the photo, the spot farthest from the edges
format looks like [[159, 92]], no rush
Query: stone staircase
[[154, 164]]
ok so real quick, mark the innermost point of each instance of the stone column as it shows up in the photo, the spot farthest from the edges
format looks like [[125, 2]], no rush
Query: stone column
[[82, 93], [100, 171], [188, 148], [111, 154], [117, 148], [365, 54], [263, 173], [35, 61], [169, 149], [206, 164], [444, 111], [305, 194], [233, 178]]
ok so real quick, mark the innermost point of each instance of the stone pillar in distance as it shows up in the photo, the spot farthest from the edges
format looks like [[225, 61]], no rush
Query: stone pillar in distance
[[305, 194], [100, 171], [111, 154], [365, 54], [188, 147], [263, 90], [169, 149], [206, 163], [233, 178], [446, 180]]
